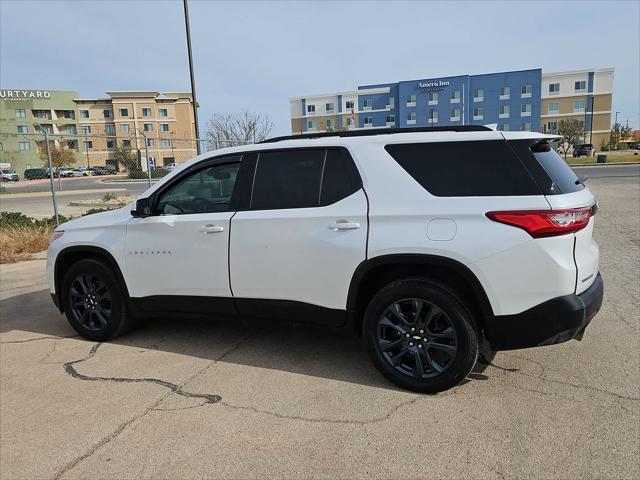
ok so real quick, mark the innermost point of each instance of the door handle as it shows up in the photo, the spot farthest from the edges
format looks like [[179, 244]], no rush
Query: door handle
[[344, 225], [211, 229]]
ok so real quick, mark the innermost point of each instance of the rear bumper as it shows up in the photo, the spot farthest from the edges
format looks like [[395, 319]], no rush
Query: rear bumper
[[555, 321]]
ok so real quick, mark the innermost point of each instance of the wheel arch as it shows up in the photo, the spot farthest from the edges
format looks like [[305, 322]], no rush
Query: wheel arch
[[70, 255], [373, 274]]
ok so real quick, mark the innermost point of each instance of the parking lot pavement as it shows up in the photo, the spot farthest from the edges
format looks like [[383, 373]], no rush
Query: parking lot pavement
[[214, 399]]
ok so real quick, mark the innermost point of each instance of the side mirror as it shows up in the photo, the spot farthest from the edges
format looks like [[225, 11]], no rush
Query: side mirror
[[143, 208]]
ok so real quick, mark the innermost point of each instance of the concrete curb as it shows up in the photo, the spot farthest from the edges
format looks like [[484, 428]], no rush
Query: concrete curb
[[97, 205], [608, 164]]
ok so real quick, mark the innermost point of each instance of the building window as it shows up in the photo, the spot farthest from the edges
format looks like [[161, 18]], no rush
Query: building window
[[41, 113], [21, 113], [578, 106], [23, 129], [71, 130], [88, 144], [349, 122], [505, 93], [525, 127], [349, 105], [478, 95], [455, 115], [411, 118], [69, 114], [149, 142], [478, 113], [111, 144], [164, 127], [1, 147], [433, 116], [503, 127], [84, 113], [367, 104], [107, 113], [163, 112], [411, 100], [455, 96], [72, 144], [329, 107], [109, 129], [124, 112], [124, 128], [311, 109], [148, 127], [368, 121], [126, 143], [391, 103], [331, 124], [551, 127], [432, 98], [525, 110], [580, 86], [146, 112], [86, 129], [553, 108], [554, 88], [25, 146], [580, 123], [504, 111], [311, 125], [166, 143], [525, 91], [391, 120]]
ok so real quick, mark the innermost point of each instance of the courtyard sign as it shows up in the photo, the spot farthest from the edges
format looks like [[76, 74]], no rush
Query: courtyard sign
[[24, 94], [434, 84]]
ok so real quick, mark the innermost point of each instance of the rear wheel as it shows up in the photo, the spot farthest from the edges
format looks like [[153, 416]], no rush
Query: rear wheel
[[420, 335], [94, 302]]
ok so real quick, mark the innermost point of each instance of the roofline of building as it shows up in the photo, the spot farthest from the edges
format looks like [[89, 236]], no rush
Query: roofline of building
[[132, 93], [575, 72], [369, 91]]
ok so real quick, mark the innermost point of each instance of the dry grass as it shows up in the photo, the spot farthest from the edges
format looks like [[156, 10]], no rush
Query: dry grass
[[19, 243]]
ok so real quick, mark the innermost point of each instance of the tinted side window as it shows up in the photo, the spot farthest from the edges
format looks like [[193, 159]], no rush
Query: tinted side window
[[340, 178], [205, 191], [287, 179], [465, 169]]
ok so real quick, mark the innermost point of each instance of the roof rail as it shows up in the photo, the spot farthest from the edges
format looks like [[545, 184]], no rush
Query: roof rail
[[380, 131]]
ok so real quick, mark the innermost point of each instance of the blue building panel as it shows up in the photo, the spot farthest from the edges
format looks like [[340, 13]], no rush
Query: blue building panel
[[450, 100]]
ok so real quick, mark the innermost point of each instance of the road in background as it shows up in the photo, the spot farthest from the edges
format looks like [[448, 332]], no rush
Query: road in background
[[592, 171]]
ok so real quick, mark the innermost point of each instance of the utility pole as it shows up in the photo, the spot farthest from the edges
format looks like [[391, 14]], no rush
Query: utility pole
[[193, 81], [53, 190]]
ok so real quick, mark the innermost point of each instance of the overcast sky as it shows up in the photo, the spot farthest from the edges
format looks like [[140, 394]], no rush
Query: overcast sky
[[258, 54]]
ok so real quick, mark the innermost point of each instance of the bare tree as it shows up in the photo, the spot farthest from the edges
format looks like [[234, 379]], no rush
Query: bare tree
[[572, 133], [232, 129]]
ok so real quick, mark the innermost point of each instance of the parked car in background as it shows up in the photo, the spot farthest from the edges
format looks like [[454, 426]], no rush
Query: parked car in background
[[9, 176], [584, 150], [81, 172], [428, 243], [100, 171], [36, 173], [65, 172]]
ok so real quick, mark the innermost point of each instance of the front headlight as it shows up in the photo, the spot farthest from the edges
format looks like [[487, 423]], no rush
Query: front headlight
[[56, 235]]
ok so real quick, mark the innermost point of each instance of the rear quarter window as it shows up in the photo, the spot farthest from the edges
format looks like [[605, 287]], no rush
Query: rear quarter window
[[465, 169]]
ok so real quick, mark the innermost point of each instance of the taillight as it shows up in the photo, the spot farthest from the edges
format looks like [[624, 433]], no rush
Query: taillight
[[545, 223], [55, 236]]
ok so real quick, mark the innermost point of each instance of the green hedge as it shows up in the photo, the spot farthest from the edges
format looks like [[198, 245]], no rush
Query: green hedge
[[20, 220]]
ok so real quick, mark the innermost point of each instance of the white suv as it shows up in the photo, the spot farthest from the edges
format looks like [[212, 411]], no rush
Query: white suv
[[427, 242]]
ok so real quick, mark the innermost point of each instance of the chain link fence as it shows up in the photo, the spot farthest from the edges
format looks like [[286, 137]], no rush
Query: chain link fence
[[49, 164]]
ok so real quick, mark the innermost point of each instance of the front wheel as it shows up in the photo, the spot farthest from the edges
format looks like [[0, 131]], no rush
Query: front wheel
[[420, 335], [94, 302]]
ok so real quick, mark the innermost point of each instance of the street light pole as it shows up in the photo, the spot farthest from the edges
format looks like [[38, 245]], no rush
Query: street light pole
[[193, 81], [53, 190]]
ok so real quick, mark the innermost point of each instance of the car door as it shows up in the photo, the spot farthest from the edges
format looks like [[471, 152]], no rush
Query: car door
[[295, 248], [181, 251]]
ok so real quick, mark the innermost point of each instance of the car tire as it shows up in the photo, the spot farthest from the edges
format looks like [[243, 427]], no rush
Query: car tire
[[445, 339], [94, 302]]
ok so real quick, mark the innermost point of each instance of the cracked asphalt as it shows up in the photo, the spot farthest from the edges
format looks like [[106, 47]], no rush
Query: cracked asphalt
[[218, 399]]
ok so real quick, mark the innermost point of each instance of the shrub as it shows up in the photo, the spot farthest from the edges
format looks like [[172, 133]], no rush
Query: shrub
[[109, 196], [11, 220], [18, 243], [91, 211]]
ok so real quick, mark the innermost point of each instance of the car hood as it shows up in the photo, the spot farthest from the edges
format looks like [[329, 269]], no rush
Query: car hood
[[121, 216]]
